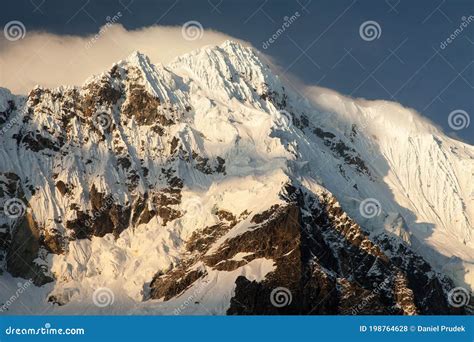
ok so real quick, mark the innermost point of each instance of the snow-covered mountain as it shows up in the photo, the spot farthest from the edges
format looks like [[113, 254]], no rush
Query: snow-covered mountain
[[208, 187]]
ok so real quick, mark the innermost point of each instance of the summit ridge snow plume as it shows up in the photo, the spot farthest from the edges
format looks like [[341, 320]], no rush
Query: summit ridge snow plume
[[208, 186]]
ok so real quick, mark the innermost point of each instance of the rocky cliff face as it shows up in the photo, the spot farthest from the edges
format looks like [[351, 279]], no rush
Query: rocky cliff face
[[324, 264], [202, 187]]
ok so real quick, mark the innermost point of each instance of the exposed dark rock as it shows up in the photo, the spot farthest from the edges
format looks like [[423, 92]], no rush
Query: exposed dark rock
[[5, 115], [174, 145], [53, 242], [36, 142], [172, 284], [124, 162], [279, 100], [325, 260], [322, 134], [106, 217], [24, 249], [64, 188], [202, 240], [265, 215], [61, 187], [349, 155], [144, 107], [100, 93]]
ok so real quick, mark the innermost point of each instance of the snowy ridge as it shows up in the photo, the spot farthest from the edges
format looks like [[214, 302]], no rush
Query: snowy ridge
[[194, 154]]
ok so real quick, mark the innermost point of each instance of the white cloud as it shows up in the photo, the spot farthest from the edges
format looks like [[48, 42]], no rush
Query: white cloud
[[52, 60]]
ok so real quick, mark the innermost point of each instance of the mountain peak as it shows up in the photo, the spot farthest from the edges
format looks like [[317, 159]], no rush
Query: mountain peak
[[211, 165], [138, 58]]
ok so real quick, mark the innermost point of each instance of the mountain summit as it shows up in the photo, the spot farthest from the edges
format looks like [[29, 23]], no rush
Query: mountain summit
[[208, 187]]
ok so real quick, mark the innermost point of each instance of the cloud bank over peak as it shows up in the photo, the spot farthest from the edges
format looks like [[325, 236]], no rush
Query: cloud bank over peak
[[51, 60]]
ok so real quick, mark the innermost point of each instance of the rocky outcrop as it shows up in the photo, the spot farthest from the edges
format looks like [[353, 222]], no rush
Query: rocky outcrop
[[24, 249], [324, 264]]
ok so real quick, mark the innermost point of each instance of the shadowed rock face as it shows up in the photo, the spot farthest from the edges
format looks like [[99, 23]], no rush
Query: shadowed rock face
[[20, 238], [24, 248], [105, 217], [122, 97], [328, 266], [324, 262]]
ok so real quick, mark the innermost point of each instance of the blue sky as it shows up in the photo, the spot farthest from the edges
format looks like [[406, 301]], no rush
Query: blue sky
[[323, 46]]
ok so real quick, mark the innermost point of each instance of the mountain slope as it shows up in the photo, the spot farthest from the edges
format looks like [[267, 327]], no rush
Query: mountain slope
[[205, 185]]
